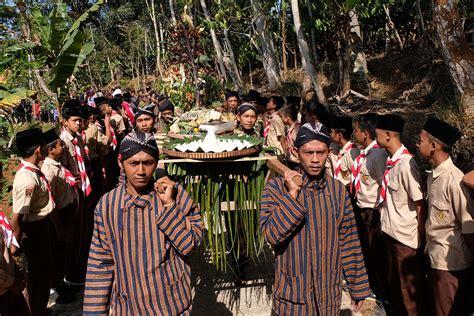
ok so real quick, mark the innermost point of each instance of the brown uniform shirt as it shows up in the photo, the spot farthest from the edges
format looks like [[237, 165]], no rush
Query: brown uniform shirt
[[30, 195], [62, 191], [117, 123], [398, 213], [277, 129], [450, 215], [95, 141], [373, 168]]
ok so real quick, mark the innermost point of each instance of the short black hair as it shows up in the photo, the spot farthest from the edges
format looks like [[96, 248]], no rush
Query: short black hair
[[319, 110], [291, 111], [279, 102], [345, 132], [45, 148], [230, 94], [366, 123], [115, 103], [444, 147], [27, 151]]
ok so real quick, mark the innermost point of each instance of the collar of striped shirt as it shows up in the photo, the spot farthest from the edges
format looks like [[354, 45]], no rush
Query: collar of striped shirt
[[313, 184]]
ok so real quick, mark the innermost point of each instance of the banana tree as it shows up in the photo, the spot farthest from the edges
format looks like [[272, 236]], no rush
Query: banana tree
[[59, 42]]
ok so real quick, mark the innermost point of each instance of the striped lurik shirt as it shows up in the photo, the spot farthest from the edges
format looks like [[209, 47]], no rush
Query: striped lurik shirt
[[316, 244], [138, 262]]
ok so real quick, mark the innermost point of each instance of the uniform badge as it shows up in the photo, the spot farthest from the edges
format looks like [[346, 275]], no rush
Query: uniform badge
[[440, 216], [365, 178], [346, 174], [29, 192]]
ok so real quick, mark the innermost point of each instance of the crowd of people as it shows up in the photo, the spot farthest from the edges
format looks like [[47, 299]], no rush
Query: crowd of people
[[349, 213]]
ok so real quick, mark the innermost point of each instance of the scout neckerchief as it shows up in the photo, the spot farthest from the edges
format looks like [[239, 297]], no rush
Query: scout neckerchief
[[86, 185], [7, 232], [69, 177], [342, 152], [42, 178], [112, 132], [357, 166], [99, 127], [84, 140], [390, 164]]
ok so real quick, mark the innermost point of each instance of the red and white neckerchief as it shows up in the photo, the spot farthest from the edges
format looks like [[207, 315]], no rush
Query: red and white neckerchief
[[289, 134], [266, 129], [390, 164], [357, 166], [7, 232], [99, 127], [84, 140], [86, 184], [345, 149], [112, 132], [42, 178], [69, 177]]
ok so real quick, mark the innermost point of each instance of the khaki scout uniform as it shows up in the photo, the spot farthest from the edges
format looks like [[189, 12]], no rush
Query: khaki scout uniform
[[96, 141], [371, 173], [63, 194], [450, 215], [30, 195], [398, 214], [347, 160], [68, 158], [31, 199], [277, 129], [118, 123]]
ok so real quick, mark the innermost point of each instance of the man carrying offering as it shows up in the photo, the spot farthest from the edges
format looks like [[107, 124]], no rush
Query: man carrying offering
[[138, 262], [314, 234]]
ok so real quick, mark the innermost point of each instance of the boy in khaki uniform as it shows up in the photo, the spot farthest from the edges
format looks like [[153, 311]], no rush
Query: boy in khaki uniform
[[366, 180], [274, 129], [75, 159], [32, 204], [450, 223], [63, 187], [341, 131], [402, 218]]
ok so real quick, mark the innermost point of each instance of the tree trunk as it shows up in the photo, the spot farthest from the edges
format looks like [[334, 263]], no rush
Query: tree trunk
[[305, 55], [455, 50], [268, 49], [392, 26], [172, 13], [312, 34], [215, 42], [284, 60], [151, 10], [111, 70], [233, 68]]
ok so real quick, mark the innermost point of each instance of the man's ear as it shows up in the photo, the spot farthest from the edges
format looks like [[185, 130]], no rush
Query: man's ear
[[120, 164]]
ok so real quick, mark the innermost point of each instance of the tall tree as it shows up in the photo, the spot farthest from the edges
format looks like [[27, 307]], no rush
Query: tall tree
[[267, 47], [306, 60], [455, 50]]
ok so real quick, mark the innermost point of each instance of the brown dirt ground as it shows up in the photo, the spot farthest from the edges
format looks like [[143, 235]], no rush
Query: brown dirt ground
[[8, 173]]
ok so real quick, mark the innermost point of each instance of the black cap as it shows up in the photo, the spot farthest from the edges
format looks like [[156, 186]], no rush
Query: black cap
[[341, 122], [70, 110], [148, 110], [100, 100], [390, 122], [50, 136], [441, 130], [93, 111], [29, 138], [85, 112]]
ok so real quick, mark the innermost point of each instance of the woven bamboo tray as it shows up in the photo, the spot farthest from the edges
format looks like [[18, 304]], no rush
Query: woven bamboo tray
[[203, 156]]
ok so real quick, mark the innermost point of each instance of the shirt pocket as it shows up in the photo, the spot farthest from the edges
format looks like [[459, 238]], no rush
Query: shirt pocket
[[291, 289], [441, 211]]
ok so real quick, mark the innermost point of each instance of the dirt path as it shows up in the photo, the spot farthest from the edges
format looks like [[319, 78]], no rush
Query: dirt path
[[215, 294]]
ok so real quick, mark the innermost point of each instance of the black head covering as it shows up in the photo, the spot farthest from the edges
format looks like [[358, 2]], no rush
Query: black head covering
[[100, 100], [71, 111], [50, 136], [230, 94], [166, 105], [161, 97], [145, 111], [253, 95], [137, 141], [341, 122], [441, 130], [29, 138], [93, 111], [312, 131], [390, 122], [85, 112], [244, 107]]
